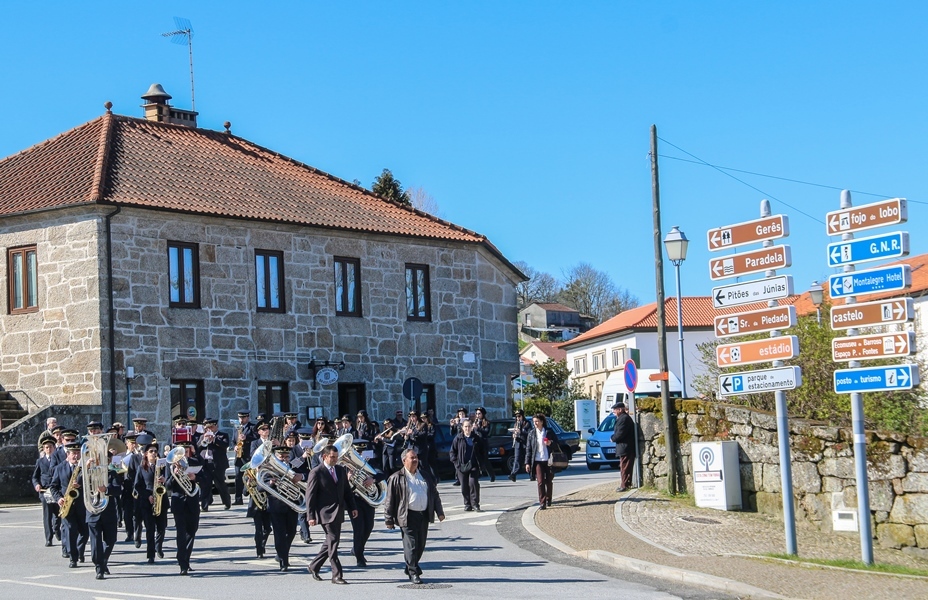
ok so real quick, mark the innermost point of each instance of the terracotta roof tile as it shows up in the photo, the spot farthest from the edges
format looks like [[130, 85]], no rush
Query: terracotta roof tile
[[551, 349], [135, 162]]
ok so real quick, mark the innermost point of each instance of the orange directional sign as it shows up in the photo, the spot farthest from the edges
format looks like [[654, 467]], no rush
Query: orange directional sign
[[869, 347], [868, 216], [758, 351], [757, 321], [756, 261], [880, 312], [749, 232]]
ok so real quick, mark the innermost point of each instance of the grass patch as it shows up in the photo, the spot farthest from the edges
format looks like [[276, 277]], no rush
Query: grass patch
[[855, 565]]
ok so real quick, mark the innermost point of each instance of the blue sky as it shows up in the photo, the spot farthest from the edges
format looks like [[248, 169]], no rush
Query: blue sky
[[527, 121]]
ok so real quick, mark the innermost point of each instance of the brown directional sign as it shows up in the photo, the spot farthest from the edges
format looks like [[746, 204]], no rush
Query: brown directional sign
[[757, 321], [880, 312], [868, 216], [869, 347], [749, 232], [757, 351], [756, 261]]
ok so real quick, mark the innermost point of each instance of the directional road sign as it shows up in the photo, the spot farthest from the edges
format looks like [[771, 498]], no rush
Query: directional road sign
[[752, 291], [880, 312], [869, 347], [756, 382], [877, 247], [867, 216], [876, 379], [768, 319], [749, 232], [871, 281], [756, 261], [757, 351]]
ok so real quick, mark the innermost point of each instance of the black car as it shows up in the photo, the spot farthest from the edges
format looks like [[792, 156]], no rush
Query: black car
[[499, 446]]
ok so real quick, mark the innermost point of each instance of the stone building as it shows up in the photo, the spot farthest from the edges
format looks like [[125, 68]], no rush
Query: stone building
[[154, 269]]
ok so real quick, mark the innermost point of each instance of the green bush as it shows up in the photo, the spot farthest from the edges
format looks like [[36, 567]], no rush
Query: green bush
[[563, 413]]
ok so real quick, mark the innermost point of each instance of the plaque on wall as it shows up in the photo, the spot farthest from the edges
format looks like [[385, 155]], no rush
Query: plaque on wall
[[326, 376]]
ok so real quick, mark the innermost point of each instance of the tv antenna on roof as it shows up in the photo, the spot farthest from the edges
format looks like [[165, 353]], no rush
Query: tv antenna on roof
[[184, 35]]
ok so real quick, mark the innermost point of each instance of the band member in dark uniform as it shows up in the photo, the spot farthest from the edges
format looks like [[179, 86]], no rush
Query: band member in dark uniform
[[184, 507], [262, 521], [41, 479], [292, 423], [68, 436], [390, 446], [363, 524], [211, 446], [283, 517], [469, 456], [457, 420], [141, 426], [245, 438], [519, 430], [345, 427], [365, 428], [303, 461], [134, 459], [328, 495], [73, 526], [103, 527], [146, 482]]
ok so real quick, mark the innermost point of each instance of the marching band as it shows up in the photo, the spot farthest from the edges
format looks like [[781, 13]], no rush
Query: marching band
[[92, 486]]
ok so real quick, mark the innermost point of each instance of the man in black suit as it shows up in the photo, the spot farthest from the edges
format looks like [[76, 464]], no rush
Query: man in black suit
[[41, 479], [412, 503], [624, 437], [327, 496]]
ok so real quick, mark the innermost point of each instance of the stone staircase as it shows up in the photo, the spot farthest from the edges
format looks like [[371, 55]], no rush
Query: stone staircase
[[10, 410]]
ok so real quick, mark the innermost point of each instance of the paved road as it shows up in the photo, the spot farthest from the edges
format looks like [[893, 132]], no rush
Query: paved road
[[470, 555]]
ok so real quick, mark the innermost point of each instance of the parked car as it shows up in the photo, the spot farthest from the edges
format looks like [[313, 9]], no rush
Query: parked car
[[230, 472], [499, 446], [600, 449]]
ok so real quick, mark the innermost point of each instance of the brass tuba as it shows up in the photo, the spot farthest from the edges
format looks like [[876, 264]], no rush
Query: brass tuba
[[95, 460], [177, 458], [358, 471], [274, 476]]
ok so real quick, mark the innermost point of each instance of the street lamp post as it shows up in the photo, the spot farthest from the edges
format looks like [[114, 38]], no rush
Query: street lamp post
[[817, 294], [675, 243]]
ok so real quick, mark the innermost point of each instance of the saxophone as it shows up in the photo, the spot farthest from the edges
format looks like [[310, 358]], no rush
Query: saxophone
[[158, 491], [71, 493], [239, 444]]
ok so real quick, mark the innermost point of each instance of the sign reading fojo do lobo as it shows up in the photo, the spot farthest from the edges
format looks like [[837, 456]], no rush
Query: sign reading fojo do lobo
[[866, 216]]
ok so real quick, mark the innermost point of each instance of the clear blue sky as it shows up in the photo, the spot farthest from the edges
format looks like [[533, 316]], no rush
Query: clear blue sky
[[527, 121]]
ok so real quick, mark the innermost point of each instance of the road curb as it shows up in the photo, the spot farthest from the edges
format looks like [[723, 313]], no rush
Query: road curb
[[626, 563]]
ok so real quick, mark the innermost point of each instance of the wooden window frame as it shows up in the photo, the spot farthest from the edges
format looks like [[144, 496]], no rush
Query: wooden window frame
[[342, 295], [195, 271], [412, 293], [25, 282], [266, 256]]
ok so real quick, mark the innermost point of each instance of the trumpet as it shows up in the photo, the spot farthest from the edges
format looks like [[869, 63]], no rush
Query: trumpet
[[359, 470], [206, 438], [177, 458], [95, 474]]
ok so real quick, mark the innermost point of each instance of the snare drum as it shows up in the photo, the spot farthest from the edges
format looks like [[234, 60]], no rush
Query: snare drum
[[181, 434]]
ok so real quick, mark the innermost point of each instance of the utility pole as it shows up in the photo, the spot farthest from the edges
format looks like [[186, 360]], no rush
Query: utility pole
[[667, 406]]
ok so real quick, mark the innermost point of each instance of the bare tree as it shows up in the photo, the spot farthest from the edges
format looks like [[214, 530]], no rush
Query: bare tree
[[424, 201], [592, 292], [540, 287]]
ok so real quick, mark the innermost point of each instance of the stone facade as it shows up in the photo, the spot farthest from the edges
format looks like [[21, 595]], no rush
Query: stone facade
[[60, 354], [822, 465]]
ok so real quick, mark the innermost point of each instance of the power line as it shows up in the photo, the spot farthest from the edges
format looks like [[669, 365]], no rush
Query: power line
[[756, 189]]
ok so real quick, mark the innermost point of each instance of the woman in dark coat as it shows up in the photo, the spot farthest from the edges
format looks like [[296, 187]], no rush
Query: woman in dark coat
[[541, 442], [469, 456]]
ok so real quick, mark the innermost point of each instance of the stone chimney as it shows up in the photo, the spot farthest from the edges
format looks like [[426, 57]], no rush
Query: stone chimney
[[157, 108]]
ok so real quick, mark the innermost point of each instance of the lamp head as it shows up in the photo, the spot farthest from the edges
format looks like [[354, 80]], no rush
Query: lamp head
[[676, 243]]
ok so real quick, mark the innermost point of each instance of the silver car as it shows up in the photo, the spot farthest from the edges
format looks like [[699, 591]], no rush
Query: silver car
[[600, 449]]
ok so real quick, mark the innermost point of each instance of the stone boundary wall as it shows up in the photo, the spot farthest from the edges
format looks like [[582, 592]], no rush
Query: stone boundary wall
[[822, 465]]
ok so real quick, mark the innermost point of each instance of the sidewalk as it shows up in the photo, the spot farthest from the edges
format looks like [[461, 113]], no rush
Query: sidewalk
[[646, 532]]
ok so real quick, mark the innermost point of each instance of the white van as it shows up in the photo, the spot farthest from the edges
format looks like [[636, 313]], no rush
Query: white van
[[614, 390]]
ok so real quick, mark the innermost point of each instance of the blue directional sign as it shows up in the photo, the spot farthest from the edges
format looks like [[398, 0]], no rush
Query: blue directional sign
[[877, 247], [884, 279], [876, 379]]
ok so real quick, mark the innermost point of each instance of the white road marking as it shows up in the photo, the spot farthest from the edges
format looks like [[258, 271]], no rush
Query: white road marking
[[24, 526], [88, 590]]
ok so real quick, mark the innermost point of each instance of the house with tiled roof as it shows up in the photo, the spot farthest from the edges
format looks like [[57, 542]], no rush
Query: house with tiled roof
[[550, 322], [603, 350], [157, 269]]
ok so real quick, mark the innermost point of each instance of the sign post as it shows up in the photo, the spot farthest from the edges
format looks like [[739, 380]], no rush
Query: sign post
[[776, 349]]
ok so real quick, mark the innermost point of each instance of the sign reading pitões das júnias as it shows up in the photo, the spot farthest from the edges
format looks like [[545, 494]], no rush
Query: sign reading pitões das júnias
[[735, 294]]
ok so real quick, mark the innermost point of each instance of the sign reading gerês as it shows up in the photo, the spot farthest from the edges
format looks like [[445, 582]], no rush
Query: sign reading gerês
[[748, 232]]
